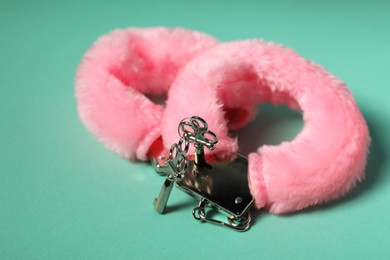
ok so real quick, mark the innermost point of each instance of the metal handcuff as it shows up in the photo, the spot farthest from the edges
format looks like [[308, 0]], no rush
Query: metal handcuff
[[217, 186], [122, 68]]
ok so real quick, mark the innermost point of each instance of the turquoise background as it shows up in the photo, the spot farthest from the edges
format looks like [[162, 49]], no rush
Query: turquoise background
[[63, 196]]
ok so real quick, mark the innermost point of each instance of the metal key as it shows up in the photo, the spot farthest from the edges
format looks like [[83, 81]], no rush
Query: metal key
[[176, 166], [196, 131]]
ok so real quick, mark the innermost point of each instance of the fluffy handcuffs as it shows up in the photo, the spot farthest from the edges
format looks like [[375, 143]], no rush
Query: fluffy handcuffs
[[213, 88]]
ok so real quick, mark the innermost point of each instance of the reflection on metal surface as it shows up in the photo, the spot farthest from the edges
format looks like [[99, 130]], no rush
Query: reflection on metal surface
[[221, 185]]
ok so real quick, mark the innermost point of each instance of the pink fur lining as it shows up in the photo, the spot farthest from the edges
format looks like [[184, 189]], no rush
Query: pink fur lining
[[225, 84], [117, 72]]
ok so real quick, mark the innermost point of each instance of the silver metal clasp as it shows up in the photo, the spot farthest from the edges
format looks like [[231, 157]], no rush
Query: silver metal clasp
[[238, 223], [221, 187]]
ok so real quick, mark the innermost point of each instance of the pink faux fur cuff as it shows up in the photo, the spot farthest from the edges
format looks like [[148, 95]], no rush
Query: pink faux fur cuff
[[225, 84], [119, 70]]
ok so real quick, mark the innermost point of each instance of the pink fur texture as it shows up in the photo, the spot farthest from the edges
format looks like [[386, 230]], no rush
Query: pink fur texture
[[225, 84], [119, 70]]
